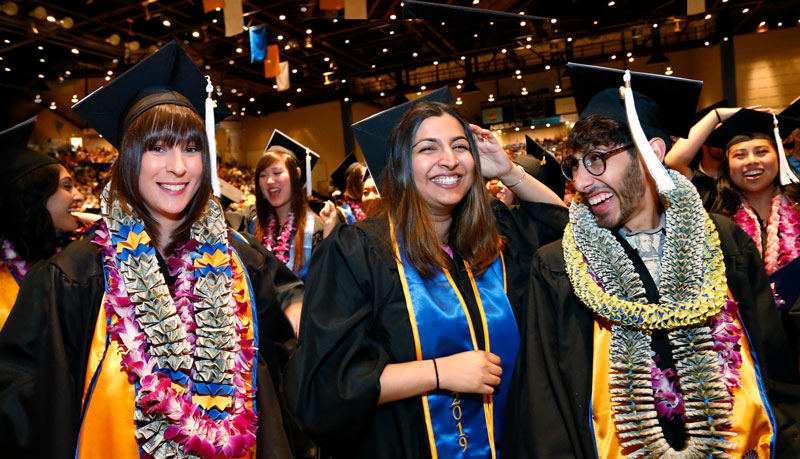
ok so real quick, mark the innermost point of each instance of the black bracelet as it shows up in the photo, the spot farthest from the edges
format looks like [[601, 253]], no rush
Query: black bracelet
[[436, 369], [719, 120]]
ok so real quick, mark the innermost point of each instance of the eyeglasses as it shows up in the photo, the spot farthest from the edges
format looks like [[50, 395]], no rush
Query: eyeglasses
[[593, 161]]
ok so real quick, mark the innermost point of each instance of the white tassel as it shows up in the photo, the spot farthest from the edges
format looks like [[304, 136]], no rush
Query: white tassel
[[212, 139], [654, 167], [786, 174], [308, 172]]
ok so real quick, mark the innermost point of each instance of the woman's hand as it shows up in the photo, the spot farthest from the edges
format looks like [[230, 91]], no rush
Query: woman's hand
[[328, 216], [473, 372], [494, 160]]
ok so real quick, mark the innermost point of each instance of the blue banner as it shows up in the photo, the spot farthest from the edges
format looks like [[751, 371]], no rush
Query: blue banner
[[258, 43]]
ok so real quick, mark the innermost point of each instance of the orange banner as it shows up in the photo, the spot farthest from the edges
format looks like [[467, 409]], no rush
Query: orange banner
[[331, 4], [272, 62], [211, 5]]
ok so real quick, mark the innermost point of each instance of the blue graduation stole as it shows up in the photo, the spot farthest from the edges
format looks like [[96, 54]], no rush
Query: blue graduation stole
[[349, 216], [308, 238], [461, 425]]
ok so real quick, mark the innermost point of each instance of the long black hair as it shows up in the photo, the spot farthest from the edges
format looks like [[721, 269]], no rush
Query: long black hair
[[26, 221]]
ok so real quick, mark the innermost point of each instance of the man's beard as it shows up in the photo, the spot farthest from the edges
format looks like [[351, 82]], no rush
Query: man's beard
[[629, 193]]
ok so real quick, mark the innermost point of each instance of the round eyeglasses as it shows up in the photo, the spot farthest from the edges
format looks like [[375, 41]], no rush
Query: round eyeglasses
[[593, 161]]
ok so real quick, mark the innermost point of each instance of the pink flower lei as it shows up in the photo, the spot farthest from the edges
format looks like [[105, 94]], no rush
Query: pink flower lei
[[16, 265], [357, 210], [279, 244], [188, 426], [783, 230]]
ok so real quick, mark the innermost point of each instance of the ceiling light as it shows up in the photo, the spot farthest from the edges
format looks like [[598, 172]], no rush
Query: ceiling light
[[595, 23], [231, 62], [463, 58], [7, 69], [208, 67], [274, 86], [630, 54], [762, 23], [75, 51], [414, 54], [668, 71], [569, 39], [51, 19], [391, 32], [288, 104], [746, 10], [613, 56], [475, 36], [458, 86], [503, 50], [344, 81], [40, 60], [527, 46], [217, 9], [385, 50], [287, 47], [547, 125], [780, 24], [347, 99], [347, 42], [383, 94], [326, 59], [309, 31], [419, 93], [239, 50], [252, 99], [435, 62], [7, 41], [110, 72], [372, 66], [516, 129], [707, 43], [299, 89], [422, 88], [547, 67], [74, 98], [475, 2], [67, 73], [553, 21], [280, 37], [708, 16], [166, 23], [40, 47], [282, 17], [630, 59], [335, 20], [108, 78], [655, 26], [517, 72], [196, 34], [214, 21], [557, 88], [522, 23], [294, 70], [612, 3], [393, 17], [233, 90], [41, 76]]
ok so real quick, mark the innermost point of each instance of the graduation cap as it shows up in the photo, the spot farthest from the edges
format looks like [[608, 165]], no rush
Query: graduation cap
[[650, 105], [373, 133], [339, 176], [784, 281], [702, 113], [747, 121], [440, 12], [17, 158], [793, 110], [302, 154], [543, 166], [168, 76]]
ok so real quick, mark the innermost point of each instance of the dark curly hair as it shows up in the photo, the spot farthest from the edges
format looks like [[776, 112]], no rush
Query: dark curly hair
[[26, 221]]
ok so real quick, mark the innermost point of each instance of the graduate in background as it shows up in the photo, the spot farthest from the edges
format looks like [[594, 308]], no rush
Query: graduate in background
[[159, 334], [37, 195], [651, 330], [756, 188], [284, 223], [408, 324], [349, 179]]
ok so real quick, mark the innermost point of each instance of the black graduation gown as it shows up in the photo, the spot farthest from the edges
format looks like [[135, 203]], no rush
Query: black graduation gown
[[552, 384], [706, 187], [45, 344], [355, 322]]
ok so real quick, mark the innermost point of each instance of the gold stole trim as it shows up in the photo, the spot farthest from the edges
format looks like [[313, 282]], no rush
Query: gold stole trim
[[8, 293]]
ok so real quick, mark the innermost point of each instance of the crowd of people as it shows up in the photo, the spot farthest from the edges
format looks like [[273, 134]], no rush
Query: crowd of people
[[466, 301]]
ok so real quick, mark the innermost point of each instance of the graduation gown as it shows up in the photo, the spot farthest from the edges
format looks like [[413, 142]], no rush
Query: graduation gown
[[355, 322], [45, 345], [552, 382]]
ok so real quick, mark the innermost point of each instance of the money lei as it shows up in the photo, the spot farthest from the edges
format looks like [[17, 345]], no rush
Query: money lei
[[693, 289], [192, 395]]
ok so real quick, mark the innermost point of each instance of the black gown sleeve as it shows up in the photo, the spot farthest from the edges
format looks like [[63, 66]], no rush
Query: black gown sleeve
[[333, 383], [289, 289], [44, 348], [551, 382]]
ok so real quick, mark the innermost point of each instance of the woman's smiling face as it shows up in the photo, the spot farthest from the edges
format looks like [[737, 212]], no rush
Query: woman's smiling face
[[753, 165]]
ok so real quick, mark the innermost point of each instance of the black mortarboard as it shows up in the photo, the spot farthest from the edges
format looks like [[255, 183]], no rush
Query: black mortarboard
[[167, 77], [17, 158], [339, 176], [702, 113], [373, 132], [784, 281], [297, 149], [548, 173], [793, 110], [665, 105], [439, 12], [749, 121]]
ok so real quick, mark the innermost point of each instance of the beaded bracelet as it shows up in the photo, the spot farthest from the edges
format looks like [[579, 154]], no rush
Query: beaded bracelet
[[518, 181]]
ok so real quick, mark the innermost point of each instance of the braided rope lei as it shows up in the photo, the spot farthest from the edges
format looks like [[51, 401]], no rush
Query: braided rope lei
[[692, 287], [183, 346]]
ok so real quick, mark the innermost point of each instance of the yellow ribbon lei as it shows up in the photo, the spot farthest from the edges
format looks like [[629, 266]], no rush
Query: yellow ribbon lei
[[650, 316]]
